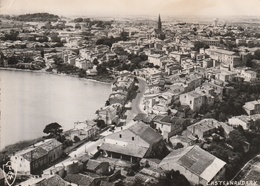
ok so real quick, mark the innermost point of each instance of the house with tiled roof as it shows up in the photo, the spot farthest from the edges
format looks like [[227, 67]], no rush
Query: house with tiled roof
[[108, 114], [98, 167], [34, 157], [196, 99], [82, 180], [53, 181], [196, 164], [207, 127], [132, 144], [169, 126]]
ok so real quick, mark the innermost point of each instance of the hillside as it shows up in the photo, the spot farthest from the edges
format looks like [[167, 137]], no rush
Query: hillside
[[42, 17]]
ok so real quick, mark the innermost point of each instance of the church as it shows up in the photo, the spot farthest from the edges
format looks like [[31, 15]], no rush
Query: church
[[157, 32]]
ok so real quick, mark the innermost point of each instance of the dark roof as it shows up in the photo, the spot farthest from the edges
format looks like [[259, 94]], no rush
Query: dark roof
[[36, 153], [159, 32], [54, 181], [79, 179], [92, 164], [146, 133], [50, 144], [106, 183], [40, 149], [143, 117], [129, 149]]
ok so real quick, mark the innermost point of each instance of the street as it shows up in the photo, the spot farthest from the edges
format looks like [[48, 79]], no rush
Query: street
[[137, 101]]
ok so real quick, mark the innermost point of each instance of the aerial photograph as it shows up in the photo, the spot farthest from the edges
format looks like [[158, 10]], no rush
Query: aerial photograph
[[129, 92]]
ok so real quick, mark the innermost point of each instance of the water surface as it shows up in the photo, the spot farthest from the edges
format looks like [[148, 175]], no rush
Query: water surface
[[30, 101]]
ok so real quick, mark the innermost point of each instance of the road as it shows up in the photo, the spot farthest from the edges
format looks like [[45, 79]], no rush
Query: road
[[136, 106], [245, 170], [88, 148]]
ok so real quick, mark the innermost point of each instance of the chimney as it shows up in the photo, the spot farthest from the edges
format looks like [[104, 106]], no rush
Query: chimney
[[32, 155]]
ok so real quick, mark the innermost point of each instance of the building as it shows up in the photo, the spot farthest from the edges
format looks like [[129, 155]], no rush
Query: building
[[207, 127], [124, 83], [155, 59], [33, 158], [225, 57], [196, 164], [157, 33], [225, 75], [243, 120], [248, 75], [82, 179], [53, 180], [212, 42], [97, 167], [215, 22], [169, 126], [108, 114], [84, 130], [196, 99], [252, 107], [132, 144]]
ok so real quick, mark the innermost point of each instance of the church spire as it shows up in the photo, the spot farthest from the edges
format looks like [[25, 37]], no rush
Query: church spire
[[159, 23]]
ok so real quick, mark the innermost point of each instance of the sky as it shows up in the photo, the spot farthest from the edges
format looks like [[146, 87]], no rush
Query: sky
[[134, 7]]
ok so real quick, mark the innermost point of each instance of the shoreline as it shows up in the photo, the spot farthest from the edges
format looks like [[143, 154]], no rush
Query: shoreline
[[56, 74]]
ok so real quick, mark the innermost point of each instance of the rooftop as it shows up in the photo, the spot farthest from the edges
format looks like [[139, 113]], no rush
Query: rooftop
[[79, 179], [196, 160], [54, 181], [145, 132], [39, 149]]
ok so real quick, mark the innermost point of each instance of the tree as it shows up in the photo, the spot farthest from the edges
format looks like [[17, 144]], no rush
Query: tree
[[173, 178], [76, 139], [53, 129], [178, 146], [222, 117], [107, 103], [257, 54], [95, 61], [82, 73], [124, 36], [198, 45], [12, 35], [78, 20], [42, 53], [101, 124]]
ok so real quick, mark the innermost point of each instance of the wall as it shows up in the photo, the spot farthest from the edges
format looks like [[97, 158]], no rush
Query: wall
[[20, 164]]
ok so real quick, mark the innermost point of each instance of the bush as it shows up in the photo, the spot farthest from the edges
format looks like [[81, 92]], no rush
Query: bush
[[101, 124], [76, 139], [178, 146], [130, 173]]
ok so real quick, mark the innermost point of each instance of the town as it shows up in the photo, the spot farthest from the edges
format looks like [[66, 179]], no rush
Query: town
[[184, 107]]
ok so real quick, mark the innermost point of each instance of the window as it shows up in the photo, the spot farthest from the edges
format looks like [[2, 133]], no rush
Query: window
[[133, 138], [120, 135], [190, 102]]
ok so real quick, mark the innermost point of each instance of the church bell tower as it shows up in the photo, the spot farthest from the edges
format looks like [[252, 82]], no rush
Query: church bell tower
[[159, 23]]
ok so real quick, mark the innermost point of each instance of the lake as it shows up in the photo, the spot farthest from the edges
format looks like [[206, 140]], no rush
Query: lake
[[30, 101]]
